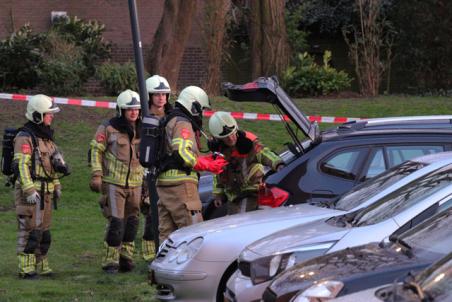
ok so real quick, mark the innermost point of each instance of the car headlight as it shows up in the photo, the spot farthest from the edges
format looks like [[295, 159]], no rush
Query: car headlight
[[185, 251], [321, 291], [265, 268]]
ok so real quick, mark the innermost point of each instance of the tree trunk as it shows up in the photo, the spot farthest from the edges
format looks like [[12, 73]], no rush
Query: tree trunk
[[270, 52], [214, 30], [169, 40]]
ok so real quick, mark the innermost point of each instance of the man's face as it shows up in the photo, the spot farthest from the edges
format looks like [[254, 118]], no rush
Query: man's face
[[230, 140], [131, 115], [48, 118], [159, 100]]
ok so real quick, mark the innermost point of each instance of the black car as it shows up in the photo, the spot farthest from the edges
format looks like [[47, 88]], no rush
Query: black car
[[366, 266], [322, 165]]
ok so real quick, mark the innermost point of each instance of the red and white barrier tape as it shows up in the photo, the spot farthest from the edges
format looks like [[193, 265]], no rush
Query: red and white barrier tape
[[237, 115]]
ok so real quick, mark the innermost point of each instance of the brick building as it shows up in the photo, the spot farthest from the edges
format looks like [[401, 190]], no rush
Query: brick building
[[115, 15]]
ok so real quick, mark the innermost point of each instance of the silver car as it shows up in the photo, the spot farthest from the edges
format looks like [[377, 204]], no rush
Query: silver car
[[265, 258], [195, 262]]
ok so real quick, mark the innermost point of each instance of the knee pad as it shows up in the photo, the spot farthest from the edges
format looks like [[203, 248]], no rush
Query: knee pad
[[34, 239], [131, 229], [115, 232], [45, 242]]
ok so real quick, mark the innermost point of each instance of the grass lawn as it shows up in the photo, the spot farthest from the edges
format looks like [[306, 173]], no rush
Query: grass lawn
[[78, 226]]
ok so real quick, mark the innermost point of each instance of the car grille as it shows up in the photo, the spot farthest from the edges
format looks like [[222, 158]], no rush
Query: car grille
[[168, 244], [245, 268]]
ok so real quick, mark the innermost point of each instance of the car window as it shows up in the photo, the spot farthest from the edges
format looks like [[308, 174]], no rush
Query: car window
[[342, 164], [372, 187], [405, 197], [377, 164], [399, 154]]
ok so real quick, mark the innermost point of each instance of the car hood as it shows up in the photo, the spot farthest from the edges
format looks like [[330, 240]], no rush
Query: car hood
[[225, 237], [315, 232], [357, 260]]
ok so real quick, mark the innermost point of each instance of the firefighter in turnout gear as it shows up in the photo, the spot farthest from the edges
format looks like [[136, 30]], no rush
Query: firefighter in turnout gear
[[118, 175], [37, 186], [159, 92], [240, 180], [179, 204]]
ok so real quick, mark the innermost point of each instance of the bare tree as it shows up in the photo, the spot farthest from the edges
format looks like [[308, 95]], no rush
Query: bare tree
[[370, 46], [170, 39], [214, 30], [270, 53]]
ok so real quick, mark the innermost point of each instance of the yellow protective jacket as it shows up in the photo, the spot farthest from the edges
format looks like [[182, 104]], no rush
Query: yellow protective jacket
[[181, 143], [29, 180], [115, 157], [245, 171]]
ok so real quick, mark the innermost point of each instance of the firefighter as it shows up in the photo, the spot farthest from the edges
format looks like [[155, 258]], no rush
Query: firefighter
[[239, 182], [179, 204], [159, 92], [118, 175], [37, 164]]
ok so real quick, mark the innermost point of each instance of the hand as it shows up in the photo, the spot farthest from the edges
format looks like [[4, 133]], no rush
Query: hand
[[280, 167], [96, 183], [33, 198], [57, 193], [208, 163]]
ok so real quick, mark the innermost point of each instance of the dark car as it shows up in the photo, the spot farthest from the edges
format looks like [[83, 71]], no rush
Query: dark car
[[322, 165], [366, 266]]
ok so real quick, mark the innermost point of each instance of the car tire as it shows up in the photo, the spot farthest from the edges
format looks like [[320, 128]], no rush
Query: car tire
[[222, 285], [212, 211]]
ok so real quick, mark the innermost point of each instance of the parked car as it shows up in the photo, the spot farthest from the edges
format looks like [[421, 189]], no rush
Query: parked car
[[196, 261], [322, 165], [432, 284], [262, 260], [354, 269]]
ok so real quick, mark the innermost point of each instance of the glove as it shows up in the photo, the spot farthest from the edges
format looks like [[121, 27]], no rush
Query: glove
[[208, 163], [33, 198], [57, 193], [96, 183]]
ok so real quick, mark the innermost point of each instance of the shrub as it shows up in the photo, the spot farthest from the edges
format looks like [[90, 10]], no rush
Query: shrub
[[116, 77], [20, 58], [62, 70], [307, 78]]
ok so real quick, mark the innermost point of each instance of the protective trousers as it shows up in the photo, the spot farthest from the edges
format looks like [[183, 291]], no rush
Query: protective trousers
[[122, 207], [33, 238], [242, 205], [179, 206]]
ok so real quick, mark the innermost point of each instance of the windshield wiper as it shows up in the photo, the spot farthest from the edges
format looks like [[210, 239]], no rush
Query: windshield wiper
[[407, 249], [411, 284]]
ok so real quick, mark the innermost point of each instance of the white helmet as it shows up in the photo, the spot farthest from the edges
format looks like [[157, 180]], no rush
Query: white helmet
[[128, 99], [157, 84], [194, 100], [39, 105], [222, 124]]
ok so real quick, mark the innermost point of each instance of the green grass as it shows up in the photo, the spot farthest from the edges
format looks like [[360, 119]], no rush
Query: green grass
[[78, 225]]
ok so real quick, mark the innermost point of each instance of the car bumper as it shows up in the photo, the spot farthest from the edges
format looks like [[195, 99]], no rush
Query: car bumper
[[240, 288], [197, 281]]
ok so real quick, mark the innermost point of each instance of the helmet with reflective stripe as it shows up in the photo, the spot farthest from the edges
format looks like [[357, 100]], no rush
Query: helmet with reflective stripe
[[127, 99], [194, 100], [157, 84], [222, 124], [37, 106]]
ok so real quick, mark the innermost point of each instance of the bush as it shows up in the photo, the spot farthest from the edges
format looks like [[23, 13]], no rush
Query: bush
[[62, 70], [307, 78], [116, 77], [20, 58], [88, 36]]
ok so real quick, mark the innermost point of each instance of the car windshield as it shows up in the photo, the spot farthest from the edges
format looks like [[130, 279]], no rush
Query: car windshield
[[375, 185], [436, 281], [403, 198], [432, 236]]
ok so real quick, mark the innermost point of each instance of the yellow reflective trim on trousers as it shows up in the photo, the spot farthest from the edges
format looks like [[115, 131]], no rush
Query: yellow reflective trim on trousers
[[177, 175], [184, 150], [24, 165]]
